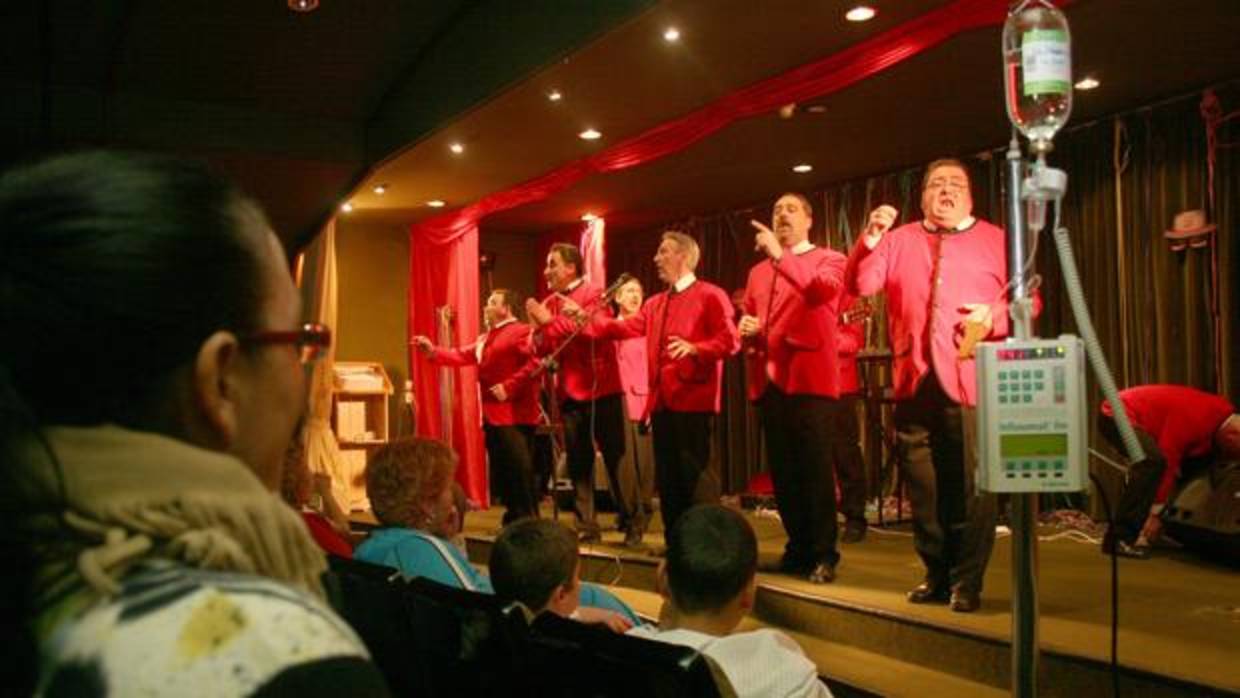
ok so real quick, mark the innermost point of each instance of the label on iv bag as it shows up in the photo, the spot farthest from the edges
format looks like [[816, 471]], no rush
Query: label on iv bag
[[1046, 62]]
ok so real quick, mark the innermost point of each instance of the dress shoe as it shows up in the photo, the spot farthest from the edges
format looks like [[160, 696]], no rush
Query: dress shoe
[[589, 535], [633, 538], [929, 593], [1124, 549], [854, 532], [823, 573], [964, 601]]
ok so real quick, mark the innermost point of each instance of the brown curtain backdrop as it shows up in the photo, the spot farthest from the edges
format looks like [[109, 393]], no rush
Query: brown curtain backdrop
[[1165, 334]]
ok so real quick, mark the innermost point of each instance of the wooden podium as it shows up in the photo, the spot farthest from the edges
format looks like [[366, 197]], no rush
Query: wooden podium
[[360, 396]]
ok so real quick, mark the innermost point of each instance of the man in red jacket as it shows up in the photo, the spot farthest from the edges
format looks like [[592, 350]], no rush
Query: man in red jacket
[[509, 398], [1174, 423], [587, 383], [941, 274], [790, 325], [689, 332]]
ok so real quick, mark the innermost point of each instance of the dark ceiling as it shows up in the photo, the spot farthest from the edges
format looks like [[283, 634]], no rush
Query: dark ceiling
[[310, 110]]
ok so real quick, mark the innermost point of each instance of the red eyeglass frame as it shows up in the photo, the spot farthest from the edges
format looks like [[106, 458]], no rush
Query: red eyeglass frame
[[311, 340]]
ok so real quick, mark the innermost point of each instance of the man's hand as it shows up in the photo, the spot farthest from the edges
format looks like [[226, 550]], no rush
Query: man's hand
[[979, 313], [766, 242], [1152, 530], [598, 616], [423, 344], [679, 348], [573, 312], [537, 312], [880, 221], [749, 325], [498, 392]]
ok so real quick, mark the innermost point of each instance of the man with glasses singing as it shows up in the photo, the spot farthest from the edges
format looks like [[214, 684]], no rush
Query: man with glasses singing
[[945, 278]]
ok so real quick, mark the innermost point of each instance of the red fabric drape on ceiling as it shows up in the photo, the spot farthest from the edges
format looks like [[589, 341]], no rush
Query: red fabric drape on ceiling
[[451, 237]]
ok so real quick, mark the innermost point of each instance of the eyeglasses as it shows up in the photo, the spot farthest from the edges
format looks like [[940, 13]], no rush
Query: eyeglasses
[[311, 340], [949, 184]]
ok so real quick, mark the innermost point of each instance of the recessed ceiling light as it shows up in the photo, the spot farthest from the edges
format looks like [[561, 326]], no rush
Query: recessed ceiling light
[[457, 148], [671, 35], [860, 13], [380, 189], [346, 207], [817, 109], [589, 135], [802, 168], [435, 203], [1087, 83], [303, 5], [588, 216], [555, 95]]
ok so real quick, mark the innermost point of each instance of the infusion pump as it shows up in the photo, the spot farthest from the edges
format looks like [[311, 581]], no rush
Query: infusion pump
[[1031, 416]]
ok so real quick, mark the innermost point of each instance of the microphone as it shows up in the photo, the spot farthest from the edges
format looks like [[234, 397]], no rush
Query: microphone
[[614, 287]]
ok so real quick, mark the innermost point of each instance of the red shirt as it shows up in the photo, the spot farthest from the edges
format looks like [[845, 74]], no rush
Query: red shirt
[[588, 368], [504, 357], [797, 303], [328, 538], [924, 300], [1181, 420], [700, 314]]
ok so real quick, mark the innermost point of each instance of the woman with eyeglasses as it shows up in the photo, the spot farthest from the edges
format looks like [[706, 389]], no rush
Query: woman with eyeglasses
[[151, 377]]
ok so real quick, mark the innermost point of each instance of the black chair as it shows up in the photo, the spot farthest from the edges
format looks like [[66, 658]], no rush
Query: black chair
[[567, 659]]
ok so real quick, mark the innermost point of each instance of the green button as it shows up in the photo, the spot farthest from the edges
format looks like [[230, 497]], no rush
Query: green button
[[1060, 465], [1003, 387], [1002, 375], [1025, 374], [1028, 397], [1027, 465], [1043, 465], [1038, 374], [1039, 386], [1026, 386], [1003, 399]]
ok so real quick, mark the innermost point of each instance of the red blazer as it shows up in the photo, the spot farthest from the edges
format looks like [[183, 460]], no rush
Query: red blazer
[[1181, 420], [972, 269], [701, 314], [503, 358], [587, 366], [850, 341], [797, 346]]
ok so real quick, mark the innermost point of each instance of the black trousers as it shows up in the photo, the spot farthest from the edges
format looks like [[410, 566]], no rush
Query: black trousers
[[587, 423], [845, 433], [682, 463], [510, 449], [798, 452], [953, 524]]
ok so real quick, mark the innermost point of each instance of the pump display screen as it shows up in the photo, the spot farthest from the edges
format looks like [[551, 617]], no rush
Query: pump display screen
[[1026, 445]]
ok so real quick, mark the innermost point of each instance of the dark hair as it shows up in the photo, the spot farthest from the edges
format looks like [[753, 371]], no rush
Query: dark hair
[[809, 208], [569, 254], [530, 559], [619, 283], [712, 553], [512, 299], [114, 268], [946, 162]]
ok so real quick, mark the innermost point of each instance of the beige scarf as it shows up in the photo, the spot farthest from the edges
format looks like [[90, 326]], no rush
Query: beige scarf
[[133, 496]]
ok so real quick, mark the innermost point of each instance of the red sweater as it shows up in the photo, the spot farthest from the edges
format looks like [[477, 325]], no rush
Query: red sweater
[[702, 315], [972, 269], [797, 304], [588, 368], [1181, 420], [503, 357]]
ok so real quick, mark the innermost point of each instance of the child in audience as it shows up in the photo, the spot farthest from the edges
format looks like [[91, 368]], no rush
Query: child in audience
[[708, 584], [536, 562]]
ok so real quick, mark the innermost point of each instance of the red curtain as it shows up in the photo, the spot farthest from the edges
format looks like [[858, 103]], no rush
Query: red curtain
[[451, 239], [446, 273]]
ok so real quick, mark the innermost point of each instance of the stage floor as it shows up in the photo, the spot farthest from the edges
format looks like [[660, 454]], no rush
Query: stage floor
[[1179, 615]]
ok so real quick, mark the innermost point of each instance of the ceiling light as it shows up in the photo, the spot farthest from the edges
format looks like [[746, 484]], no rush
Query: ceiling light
[[303, 5], [457, 148], [817, 109], [802, 168], [1087, 83], [555, 95], [587, 217], [860, 13], [380, 189], [435, 203], [346, 207], [589, 135], [671, 35]]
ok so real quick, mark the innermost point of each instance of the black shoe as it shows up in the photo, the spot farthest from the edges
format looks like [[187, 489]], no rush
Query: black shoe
[[927, 592], [823, 573], [1123, 549], [588, 534], [964, 601], [787, 565], [633, 538], [854, 532]]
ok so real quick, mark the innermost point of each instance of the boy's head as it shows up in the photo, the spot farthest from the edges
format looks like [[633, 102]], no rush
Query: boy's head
[[534, 561], [712, 556]]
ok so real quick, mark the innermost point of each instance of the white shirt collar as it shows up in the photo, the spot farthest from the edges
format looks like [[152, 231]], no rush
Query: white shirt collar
[[501, 323], [964, 224], [684, 282], [573, 286], [802, 247]]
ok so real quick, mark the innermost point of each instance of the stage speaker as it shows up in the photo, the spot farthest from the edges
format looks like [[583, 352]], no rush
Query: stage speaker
[[1205, 514]]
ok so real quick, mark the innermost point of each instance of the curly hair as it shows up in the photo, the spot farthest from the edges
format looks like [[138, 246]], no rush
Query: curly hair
[[405, 473]]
